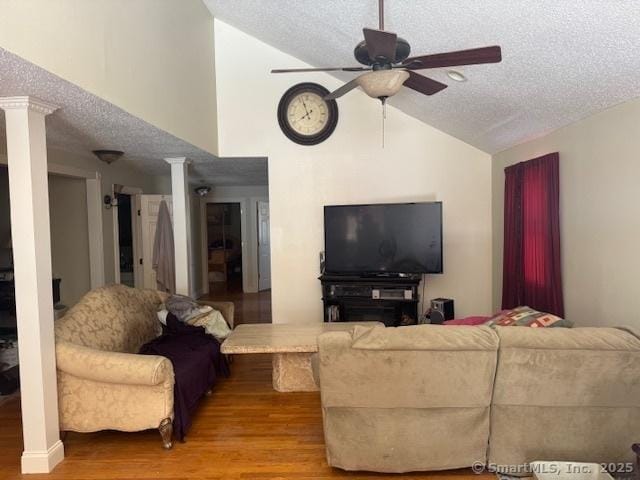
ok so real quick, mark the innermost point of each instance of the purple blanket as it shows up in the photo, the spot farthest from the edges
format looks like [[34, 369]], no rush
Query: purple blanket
[[197, 363]]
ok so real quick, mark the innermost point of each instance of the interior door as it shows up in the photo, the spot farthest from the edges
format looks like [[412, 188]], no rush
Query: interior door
[[264, 247], [138, 278], [149, 207]]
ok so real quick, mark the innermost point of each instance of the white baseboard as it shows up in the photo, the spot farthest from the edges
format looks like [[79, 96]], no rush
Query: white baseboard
[[43, 462]]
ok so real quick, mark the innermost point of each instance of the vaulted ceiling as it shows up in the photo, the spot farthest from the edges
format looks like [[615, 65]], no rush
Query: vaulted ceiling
[[562, 60], [85, 122]]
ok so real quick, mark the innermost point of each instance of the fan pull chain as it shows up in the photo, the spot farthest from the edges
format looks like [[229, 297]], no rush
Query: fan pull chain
[[384, 117]]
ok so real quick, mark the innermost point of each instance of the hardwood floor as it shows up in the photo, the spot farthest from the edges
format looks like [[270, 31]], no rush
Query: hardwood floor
[[245, 430], [250, 307]]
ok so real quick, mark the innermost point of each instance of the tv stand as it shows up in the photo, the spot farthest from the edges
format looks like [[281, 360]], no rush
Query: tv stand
[[390, 299]]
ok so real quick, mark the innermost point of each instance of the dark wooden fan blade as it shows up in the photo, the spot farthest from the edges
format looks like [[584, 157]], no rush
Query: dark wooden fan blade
[[452, 59], [347, 87], [423, 84], [321, 69], [380, 45]]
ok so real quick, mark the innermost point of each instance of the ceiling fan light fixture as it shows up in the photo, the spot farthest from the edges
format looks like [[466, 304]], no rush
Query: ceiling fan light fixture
[[456, 76], [382, 83]]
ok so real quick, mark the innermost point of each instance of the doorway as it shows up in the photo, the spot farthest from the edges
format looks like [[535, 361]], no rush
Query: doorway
[[250, 294], [224, 247], [125, 239], [126, 235]]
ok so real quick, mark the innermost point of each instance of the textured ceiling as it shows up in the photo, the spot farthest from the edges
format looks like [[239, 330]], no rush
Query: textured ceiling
[[562, 60], [85, 122]]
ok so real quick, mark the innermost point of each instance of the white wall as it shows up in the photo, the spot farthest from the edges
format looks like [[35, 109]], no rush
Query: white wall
[[599, 214], [152, 58], [248, 196], [418, 163], [69, 232], [69, 236], [116, 173]]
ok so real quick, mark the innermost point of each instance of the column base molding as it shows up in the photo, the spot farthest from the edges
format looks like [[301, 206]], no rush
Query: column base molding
[[43, 462]]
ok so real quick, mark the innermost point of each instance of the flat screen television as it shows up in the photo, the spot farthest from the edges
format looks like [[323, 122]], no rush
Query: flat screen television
[[390, 238]]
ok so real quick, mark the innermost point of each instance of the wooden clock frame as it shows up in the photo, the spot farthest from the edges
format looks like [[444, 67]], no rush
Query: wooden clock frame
[[332, 111]]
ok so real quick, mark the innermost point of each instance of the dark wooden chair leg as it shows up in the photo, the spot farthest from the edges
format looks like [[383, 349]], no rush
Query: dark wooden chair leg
[[166, 432]]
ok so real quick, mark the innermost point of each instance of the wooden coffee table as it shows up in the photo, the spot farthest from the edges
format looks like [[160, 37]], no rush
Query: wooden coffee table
[[292, 345]]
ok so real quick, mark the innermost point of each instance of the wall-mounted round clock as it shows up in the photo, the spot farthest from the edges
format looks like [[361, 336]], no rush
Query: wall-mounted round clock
[[305, 116]]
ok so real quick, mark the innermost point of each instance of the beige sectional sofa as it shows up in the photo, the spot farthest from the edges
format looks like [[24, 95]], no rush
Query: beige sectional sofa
[[565, 394], [433, 397], [406, 399], [102, 382]]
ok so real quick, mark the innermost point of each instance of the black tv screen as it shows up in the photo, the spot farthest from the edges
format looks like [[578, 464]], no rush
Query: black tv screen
[[383, 238]]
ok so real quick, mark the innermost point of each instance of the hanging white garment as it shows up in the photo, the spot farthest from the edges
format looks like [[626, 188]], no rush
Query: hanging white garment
[[163, 251]]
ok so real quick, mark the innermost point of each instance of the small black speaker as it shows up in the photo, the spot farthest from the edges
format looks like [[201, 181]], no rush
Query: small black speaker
[[441, 310]]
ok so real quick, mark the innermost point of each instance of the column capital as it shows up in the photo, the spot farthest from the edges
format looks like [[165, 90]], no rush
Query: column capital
[[27, 103], [177, 160]]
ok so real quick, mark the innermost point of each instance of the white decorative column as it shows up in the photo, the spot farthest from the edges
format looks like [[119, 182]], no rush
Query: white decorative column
[[31, 238], [181, 222]]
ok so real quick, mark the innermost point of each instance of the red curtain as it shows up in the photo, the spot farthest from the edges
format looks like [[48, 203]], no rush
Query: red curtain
[[531, 269]]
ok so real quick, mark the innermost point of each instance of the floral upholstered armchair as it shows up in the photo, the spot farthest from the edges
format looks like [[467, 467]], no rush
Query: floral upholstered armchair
[[103, 383]]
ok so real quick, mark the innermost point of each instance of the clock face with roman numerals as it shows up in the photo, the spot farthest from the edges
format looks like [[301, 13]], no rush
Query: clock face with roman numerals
[[305, 116]]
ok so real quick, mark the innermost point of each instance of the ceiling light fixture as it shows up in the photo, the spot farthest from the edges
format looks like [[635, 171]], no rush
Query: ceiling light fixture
[[108, 156], [382, 83], [456, 76], [203, 191]]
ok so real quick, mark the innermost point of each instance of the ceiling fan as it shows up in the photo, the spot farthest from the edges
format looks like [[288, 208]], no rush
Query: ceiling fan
[[389, 67]]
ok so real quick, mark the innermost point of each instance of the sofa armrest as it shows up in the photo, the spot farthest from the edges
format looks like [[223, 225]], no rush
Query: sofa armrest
[[113, 367], [227, 309], [334, 348]]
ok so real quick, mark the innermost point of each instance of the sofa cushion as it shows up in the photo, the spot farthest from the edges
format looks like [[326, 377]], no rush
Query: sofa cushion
[[586, 366], [528, 317], [433, 366], [213, 323], [186, 308], [114, 318], [423, 337], [566, 394]]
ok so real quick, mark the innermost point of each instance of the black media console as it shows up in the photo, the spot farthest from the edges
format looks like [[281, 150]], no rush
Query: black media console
[[392, 300]]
